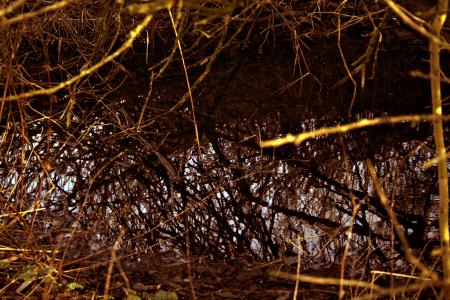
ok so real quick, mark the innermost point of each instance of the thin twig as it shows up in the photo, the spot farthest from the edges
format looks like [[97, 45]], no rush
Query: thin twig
[[363, 123]]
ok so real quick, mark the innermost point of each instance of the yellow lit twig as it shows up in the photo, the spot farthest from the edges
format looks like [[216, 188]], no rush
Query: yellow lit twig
[[412, 24], [27, 250], [22, 212], [434, 161], [399, 275], [439, 141], [32, 14], [128, 43], [325, 280], [301, 137], [11, 8]]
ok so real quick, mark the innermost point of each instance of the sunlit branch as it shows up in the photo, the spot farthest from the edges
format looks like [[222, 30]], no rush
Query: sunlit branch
[[297, 139]]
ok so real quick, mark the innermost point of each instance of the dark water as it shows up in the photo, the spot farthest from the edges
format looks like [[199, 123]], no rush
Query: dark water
[[127, 162]]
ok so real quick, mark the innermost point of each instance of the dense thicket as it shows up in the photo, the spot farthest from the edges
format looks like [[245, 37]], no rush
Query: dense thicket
[[158, 150]]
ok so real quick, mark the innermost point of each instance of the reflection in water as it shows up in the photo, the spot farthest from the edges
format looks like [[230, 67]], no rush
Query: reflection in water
[[233, 199]]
